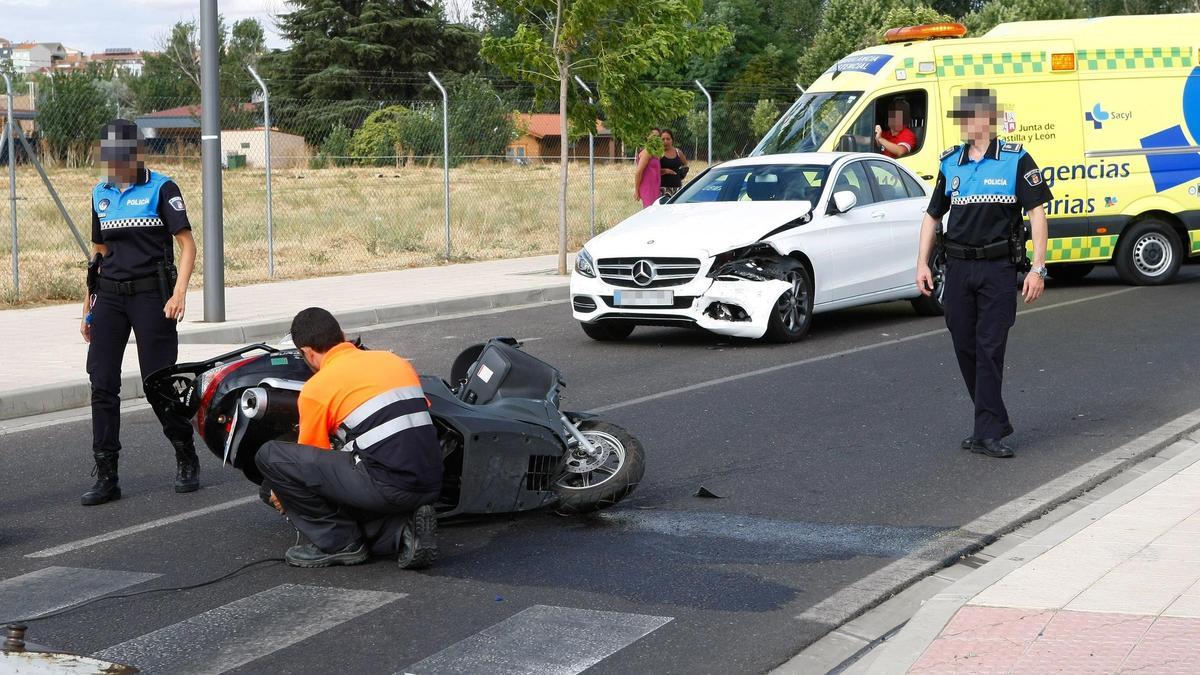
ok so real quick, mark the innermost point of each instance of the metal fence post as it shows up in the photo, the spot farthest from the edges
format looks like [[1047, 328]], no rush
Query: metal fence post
[[445, 155], [591, 161], [709, 97], [210, 155], [267, 144], [12, 183]]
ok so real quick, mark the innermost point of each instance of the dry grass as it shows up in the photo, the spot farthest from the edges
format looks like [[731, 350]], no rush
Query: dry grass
[[326, 221]]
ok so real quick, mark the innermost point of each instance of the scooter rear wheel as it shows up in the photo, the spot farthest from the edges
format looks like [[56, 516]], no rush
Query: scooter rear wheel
[[599, 487]]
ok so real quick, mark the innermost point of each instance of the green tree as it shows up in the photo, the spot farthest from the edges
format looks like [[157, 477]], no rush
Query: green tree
[[697, 125], [613, 43], [71, 112], [764, 116], [1003, 11]]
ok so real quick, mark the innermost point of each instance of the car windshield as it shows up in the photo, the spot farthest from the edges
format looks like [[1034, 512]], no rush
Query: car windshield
[[760, 182], [806, 125]]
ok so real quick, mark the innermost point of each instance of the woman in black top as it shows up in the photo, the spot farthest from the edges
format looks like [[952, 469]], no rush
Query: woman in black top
[[674, 164]]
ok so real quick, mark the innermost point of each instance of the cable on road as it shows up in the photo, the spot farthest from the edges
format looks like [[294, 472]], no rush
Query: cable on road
[[122, 596]]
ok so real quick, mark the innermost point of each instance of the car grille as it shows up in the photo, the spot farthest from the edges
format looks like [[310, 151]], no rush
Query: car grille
[[664, 271]]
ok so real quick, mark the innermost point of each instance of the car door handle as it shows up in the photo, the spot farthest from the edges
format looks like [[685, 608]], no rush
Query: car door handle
[[878, 215]]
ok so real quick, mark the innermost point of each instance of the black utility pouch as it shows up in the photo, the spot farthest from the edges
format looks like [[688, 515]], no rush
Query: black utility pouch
[[93, 274], [167, 274]]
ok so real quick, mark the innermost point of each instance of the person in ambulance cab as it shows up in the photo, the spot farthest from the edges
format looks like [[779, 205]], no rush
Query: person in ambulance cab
[[897, 140], [374, 492]]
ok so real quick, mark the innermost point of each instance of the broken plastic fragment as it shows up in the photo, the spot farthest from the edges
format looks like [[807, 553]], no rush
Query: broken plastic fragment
[[705, 493]]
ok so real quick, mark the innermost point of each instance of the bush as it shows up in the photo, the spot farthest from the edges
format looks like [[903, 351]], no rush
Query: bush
[[336, 146], [390, 133]]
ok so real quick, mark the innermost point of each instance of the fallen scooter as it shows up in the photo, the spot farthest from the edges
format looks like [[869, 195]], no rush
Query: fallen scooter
[[506, 445]]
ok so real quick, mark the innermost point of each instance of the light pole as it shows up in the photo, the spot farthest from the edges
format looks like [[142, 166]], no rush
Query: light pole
[[709, 97], [210, 157], [445, 155], [267, 147], [591, 159], [9, 132]]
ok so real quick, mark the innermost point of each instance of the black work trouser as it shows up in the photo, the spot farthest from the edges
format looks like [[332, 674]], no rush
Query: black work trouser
[[980, 300], [113, 316], [332, 500]]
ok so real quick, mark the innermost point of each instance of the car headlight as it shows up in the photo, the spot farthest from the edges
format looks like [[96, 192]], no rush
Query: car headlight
[[584, 264]]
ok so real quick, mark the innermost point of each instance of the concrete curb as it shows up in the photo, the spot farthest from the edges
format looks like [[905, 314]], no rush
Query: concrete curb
[[898, 654], [985, 534], [76, 393]]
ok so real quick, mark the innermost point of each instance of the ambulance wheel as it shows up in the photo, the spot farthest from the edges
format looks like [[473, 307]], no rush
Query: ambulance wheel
[[1149, 253], [608, 331], [1070, 273]]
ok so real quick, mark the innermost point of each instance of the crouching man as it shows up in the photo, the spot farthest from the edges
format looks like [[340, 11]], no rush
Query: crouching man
[[376, 495]]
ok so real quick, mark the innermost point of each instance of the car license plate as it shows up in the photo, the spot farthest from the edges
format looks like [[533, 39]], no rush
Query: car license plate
[[644, 298]]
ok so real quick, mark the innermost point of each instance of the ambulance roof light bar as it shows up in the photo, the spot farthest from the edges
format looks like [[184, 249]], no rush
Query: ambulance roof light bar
[[927, 31]]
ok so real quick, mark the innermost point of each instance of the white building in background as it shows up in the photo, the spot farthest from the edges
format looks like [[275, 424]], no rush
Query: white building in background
[[288, 151], [125, 59], [5, 50], [31, 57]]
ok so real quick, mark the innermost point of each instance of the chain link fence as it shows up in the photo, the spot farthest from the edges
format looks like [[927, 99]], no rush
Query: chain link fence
[[356, 186]]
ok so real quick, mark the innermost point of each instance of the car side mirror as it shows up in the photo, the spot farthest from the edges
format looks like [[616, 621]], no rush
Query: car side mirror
[[843, 201]]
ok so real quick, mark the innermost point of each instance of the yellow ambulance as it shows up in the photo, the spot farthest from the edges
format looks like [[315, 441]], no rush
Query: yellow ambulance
[[1108, 107]]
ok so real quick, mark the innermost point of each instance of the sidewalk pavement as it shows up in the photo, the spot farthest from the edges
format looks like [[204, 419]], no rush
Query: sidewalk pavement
[[1112, 588], [44, 370]]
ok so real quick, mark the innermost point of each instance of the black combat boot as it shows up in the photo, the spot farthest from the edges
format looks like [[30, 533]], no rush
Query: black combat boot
[[187, 466], [106, 488]]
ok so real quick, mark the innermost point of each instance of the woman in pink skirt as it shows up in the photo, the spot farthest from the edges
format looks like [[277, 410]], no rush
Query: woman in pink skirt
[[647, 180]]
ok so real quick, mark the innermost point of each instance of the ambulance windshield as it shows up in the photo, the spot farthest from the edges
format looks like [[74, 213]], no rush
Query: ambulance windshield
[[806, 125]]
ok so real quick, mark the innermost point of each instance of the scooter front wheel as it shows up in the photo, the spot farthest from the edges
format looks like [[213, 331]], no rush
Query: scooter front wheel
[[592, 483]]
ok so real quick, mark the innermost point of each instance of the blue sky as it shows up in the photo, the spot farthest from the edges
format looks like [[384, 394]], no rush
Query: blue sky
[[93, 25]]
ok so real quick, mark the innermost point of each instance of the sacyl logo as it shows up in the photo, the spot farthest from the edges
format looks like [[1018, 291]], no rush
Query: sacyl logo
[[1098, 117]]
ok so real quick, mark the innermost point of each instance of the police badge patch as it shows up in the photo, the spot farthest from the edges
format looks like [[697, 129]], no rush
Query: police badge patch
[[1034, 177], [954, 183], [102, 205], [176, 203]]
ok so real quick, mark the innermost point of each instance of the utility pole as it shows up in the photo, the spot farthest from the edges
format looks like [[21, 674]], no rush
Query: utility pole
[[210, 154], [709, 97], [591, 159]]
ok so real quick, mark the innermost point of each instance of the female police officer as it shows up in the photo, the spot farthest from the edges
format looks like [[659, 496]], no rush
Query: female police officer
[[133, 283], [985, 184]]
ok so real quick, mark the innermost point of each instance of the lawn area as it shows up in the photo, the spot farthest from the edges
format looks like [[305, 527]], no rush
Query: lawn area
[[326, 221]]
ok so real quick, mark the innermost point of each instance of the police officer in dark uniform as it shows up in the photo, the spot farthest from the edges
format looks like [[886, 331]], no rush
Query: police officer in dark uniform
[[133, 283], [985, 184]]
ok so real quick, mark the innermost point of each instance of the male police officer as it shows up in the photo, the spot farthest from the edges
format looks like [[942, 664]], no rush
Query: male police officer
[[378, 491], [985, 184], [133, 283]]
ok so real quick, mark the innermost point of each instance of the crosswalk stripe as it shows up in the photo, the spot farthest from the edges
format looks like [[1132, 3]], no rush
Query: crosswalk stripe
[[542, 640], [244, 630], [53, 588]]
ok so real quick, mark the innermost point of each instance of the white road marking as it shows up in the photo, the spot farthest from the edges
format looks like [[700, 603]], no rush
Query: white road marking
[[134, 529], [54, 588], [542, 640], [245, 630], [826, 357]]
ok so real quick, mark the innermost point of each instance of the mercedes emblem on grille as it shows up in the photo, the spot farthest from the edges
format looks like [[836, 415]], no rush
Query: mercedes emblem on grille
[[643, 273]]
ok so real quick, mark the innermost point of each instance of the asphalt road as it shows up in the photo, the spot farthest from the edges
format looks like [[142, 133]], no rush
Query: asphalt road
[[832, 457]]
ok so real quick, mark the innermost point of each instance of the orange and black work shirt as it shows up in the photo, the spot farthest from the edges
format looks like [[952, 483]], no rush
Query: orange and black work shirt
[[373, 402]]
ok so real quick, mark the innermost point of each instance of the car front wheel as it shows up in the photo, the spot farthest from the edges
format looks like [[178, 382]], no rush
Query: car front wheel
[[792, 315]]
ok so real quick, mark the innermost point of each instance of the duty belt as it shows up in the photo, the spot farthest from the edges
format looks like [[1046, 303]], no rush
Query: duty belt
[[993, 251], [130, 287]]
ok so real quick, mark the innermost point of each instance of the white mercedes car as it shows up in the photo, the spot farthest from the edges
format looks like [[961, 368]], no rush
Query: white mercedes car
[[754, 247]]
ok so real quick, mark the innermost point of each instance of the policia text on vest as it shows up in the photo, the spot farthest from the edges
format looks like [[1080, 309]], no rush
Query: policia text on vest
[[133, 285], [985, 185]]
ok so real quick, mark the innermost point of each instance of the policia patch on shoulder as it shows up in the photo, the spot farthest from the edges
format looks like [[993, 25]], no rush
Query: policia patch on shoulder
[[950, 151], [1010, 147], [1033, 178]]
